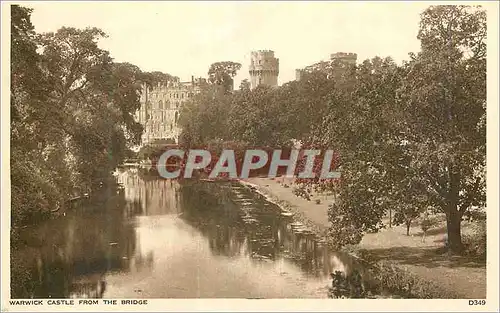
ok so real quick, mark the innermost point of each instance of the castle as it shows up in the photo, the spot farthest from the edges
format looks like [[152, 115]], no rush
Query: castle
[[160, 104]]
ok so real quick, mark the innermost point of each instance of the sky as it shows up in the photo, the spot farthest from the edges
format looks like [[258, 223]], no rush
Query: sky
[[184, 38]]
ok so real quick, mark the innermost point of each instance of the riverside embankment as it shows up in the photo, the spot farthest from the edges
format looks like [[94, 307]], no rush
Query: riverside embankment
[[463, 276]]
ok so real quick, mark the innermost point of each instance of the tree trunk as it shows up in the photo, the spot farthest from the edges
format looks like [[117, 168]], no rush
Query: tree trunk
[[408, 224], [390, 218], [453, 223], [454, 216]]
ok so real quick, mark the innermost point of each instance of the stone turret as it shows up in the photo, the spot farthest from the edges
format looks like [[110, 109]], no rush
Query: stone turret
[[348, 58], [264, 69]]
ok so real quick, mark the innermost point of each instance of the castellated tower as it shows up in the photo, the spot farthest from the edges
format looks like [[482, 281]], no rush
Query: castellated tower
[[264, 69], [346, 58]]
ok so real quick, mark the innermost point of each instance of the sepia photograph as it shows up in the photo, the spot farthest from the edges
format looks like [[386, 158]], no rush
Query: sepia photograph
[[314, 151]]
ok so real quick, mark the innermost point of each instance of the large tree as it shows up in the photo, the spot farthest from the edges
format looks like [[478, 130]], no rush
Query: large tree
[[222, 74], [414, 136], [33, 189], [72, 113], [444, 100]]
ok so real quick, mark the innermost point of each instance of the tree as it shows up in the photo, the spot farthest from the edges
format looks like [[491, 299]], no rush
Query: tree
[[151, 79], [443, 100], [203, 117], [412, 136], [245, 85], [36, 186], [222, 74], [72, 113], [407, 213], [358, 124]]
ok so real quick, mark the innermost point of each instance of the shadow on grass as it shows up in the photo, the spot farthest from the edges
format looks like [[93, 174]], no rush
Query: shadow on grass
[[433, 232], [430, 257]]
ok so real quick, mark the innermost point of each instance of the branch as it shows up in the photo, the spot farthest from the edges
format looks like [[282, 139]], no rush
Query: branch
[[437, 186], [470, 196]]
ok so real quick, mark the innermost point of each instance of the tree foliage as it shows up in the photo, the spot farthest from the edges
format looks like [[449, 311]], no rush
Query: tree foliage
[[152, 79], [443, 100], [72, 115], [222, 74]]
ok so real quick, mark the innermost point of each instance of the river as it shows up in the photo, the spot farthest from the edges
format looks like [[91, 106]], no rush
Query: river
[[158, 238]]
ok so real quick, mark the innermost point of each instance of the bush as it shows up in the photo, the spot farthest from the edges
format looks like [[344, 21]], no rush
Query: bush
[[301, 192], [475, 243], [400, 282], [350, 286], [426, 224], [389, 278]]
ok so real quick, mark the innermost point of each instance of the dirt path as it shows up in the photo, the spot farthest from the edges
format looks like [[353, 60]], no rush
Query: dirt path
[[463, 276]]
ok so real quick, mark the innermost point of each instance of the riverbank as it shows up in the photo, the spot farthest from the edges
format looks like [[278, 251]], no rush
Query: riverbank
[[465, 277]]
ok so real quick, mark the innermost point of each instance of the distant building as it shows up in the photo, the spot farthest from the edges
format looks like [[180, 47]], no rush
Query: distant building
[[264, 69], [339, 58], [160, 106], [347, 58]]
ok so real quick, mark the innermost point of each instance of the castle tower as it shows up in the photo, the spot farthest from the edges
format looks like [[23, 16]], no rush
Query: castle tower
[[346, 58], [264, 69]]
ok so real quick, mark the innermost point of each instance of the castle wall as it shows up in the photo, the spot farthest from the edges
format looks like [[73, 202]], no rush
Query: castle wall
[[348, 58]]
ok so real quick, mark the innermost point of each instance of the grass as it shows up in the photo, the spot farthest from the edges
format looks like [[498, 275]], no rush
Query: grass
[[458, 276]]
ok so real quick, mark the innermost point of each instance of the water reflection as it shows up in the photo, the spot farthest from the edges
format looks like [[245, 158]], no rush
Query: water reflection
[[164, 238], [240, 223], [69, 256]]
